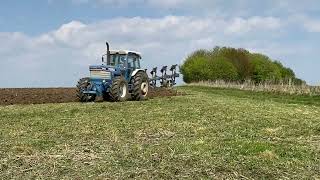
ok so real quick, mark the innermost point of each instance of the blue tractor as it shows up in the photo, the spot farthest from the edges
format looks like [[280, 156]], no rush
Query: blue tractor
[[119, 78]]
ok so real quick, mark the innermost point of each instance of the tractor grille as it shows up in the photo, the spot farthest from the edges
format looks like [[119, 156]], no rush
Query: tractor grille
[[101, 74]]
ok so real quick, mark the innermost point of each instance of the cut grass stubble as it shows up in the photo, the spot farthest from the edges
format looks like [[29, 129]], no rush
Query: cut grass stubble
[[211, 133]]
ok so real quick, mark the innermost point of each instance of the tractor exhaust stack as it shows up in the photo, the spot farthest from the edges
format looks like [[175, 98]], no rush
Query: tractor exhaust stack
[[108, 52]]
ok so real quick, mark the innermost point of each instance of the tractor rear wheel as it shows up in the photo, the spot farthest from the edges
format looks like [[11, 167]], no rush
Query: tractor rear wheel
[[119, 90], [140, 86], [84, 84]]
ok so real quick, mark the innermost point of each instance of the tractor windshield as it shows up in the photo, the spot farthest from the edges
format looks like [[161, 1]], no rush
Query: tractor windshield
[[115, 59], [133, 62]]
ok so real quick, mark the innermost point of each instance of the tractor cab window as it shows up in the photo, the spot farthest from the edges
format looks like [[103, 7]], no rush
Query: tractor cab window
[[133, 62], [115, 59], [122, 60]]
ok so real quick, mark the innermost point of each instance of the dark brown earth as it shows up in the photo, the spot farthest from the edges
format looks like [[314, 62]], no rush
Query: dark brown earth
[[56, 95]]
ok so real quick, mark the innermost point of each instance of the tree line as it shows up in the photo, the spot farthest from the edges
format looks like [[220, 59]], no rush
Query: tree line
[[238, 65]]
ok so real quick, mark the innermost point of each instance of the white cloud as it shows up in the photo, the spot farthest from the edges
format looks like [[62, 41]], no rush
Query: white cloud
[[62, 56], [142, 32], [240, 25], [67, 31], [311, 25], [221, 7], [163, 3]]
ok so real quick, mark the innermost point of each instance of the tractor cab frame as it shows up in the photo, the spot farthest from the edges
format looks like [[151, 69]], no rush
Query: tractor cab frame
[[129, 61]]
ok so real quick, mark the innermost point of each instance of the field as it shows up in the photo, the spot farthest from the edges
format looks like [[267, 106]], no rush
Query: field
[[207, 133], [55, 95]]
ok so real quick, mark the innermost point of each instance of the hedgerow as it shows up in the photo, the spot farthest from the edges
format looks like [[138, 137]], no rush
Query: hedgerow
[[230, 64]]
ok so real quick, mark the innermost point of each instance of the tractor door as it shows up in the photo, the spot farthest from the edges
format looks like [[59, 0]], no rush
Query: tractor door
[[133, 64]]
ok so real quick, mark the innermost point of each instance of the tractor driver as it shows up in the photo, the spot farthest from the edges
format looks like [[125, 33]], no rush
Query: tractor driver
[[122, 60], [132, 62]]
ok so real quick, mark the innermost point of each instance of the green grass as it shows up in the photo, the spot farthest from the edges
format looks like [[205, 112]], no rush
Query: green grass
[[209, 134]]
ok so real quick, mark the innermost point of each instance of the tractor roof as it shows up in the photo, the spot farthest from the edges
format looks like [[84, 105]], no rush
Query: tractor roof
[[125, 52]]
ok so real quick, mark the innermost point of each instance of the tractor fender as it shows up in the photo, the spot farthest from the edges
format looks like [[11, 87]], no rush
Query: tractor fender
[[136, 71]]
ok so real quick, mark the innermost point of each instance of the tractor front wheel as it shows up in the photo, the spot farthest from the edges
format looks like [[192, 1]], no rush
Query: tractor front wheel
[[84, 84], [140, 86], [119, 90]]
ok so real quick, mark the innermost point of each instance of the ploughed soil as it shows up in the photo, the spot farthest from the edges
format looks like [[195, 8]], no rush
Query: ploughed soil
[[57, 95]]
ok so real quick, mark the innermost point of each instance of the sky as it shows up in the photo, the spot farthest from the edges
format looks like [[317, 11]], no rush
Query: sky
[[51, 43]]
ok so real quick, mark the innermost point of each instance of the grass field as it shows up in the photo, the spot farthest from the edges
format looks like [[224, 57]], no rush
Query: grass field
[[209, 133]]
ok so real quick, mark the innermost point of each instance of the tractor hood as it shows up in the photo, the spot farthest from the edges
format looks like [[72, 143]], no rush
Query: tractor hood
[[104, 72], [102, 67]]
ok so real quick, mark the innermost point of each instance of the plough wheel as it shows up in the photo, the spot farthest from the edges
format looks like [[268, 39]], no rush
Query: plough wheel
[[140, 86]]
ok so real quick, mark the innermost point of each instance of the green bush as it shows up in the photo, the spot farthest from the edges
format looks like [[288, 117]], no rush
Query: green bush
[[203, 65], [195, 68], [264, 70], [230, 64], [220, 68], [286, 73], [239, 58]]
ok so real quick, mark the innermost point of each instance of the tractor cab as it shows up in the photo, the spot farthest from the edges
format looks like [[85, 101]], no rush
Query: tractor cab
[[122, 59], [122, 62]]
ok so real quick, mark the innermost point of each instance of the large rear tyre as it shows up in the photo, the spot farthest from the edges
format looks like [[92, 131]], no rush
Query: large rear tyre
[[119, 90], [84, 84], [140, 86]]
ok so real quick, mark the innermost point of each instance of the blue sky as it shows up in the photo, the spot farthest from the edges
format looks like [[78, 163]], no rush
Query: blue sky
[[48, 43]]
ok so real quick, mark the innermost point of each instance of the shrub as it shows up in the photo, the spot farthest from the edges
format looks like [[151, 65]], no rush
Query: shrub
[[203, 66], [286, 73], [221, 69], [264, 70], [195, 68], [230, 64], [240, 59]]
